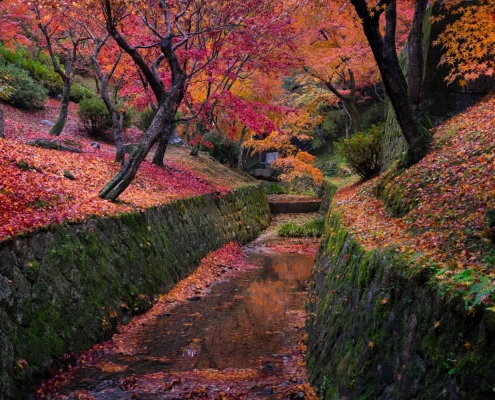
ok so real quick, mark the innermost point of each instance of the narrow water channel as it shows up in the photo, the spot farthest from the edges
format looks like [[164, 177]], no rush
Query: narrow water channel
[[242, 340]]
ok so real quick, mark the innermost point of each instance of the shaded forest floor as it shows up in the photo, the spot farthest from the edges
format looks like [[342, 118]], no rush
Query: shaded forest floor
[[39, 187], [443, 203]]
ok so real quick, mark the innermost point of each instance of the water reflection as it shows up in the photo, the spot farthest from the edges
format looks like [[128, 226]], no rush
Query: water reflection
[[245, 323]]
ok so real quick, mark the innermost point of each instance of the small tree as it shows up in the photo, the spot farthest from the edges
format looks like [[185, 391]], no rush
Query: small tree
[[363, 151], [60, 34]]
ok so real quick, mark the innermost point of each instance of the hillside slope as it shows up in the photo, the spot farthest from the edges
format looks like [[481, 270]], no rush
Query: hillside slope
[[403, 301], [437, 211], [39, 187]]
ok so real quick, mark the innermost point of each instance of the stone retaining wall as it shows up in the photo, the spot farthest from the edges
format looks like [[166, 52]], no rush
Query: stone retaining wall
[[379, 329], [65, 289]]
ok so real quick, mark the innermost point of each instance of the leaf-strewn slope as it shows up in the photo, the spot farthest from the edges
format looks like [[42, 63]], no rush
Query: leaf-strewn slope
[[448, 194], [34, 191]]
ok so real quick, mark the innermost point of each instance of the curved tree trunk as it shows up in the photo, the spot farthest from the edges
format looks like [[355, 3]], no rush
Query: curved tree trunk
[[117, 122], [64, 109], [349, 100], [168, 101], [350, 105], [323, 140], [2, 126], [130, 167]]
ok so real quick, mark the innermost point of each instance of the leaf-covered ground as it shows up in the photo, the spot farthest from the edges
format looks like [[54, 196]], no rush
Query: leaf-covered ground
[[35, 190], [450, 191]]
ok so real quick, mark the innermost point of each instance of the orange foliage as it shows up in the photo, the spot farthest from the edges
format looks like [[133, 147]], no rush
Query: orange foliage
[[469, 42]]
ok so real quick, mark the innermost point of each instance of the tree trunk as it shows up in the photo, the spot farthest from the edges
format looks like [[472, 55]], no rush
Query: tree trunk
[[2, 126], [118, 127], [350, 105], [130, 167], [241, 149], [322, 138], [415, 70], [167, 103], [417, 137], [162, 146], [64, 108], [349, 101], [117, 119]]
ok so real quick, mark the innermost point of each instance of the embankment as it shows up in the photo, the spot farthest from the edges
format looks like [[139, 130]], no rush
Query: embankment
[[379, 329], [64, 289]]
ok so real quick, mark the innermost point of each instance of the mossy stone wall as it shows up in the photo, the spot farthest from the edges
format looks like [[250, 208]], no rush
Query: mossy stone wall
[[378, 329], [64, 289]]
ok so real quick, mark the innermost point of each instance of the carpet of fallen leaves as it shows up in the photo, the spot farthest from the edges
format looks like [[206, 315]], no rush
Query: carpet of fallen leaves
[[36, 191], [230, 383], [451, 190]]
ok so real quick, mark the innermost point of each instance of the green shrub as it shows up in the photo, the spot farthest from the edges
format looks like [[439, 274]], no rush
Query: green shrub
[[224, 149], [313, 228], [290, 229], [144, 119], [363, 151], [40, 71], [26, 92], [79, 92], [274, 188], [331, 168], [95, 117]]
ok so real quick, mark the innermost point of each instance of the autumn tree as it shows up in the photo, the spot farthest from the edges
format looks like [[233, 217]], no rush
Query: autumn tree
[[248, 56], [60, 37], [405, 96], [105, 58], [190, 36], [335, 53]]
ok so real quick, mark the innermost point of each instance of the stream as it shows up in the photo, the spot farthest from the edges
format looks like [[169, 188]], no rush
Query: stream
[[243, 339]]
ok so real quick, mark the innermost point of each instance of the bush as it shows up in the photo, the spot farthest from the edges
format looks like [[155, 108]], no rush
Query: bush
[[26, 92], [39, 71], [79, 92], [313, 228], [274, 188], [224, 149], [363, 151], [144, 119], [95, 117]]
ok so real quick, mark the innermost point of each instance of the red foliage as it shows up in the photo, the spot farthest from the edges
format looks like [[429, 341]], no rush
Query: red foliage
[[34, 192]]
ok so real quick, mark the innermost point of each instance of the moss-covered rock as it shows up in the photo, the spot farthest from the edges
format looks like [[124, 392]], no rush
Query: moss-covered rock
[[378, 330], [65, 289]]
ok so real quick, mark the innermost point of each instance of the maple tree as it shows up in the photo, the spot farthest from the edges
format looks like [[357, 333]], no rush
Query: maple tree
[[190, 37], [60, 37], [334, 52], [105, 66], [468, 42]]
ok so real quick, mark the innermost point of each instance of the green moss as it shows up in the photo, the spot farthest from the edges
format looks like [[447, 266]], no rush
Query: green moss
[[392, 316]]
